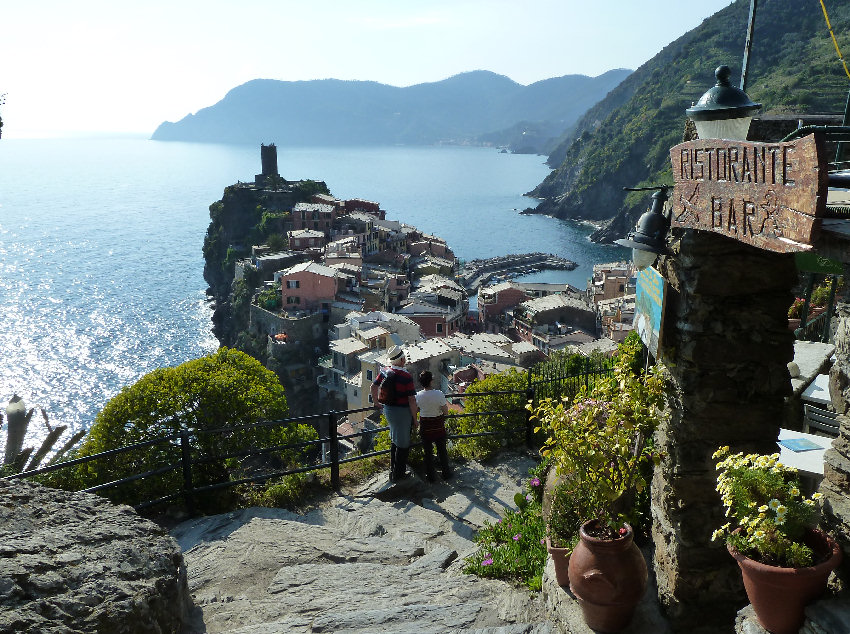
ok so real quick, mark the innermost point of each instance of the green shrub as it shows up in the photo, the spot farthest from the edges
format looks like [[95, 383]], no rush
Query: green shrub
[[505, 424], [270, 299], [602, 441], [569, 510], [513, 548], [288, 492], [226, 388]]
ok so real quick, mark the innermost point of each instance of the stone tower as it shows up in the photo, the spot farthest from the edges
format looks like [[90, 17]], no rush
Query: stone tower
[[268, 157]]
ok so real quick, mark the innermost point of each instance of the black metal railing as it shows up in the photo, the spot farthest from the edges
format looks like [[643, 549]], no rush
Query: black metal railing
[[180, 454]]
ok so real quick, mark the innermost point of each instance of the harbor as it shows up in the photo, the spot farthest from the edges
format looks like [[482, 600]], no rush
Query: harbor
[[476, 273]]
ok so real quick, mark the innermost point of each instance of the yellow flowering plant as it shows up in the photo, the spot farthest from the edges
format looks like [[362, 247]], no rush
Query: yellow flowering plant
[[763, 497]]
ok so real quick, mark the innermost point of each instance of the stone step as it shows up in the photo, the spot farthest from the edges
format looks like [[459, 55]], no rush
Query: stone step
[[381, 559]]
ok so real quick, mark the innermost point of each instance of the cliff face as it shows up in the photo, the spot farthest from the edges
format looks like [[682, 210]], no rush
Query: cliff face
[[249, 215], [624, 140], [232, 220], [245, 216]]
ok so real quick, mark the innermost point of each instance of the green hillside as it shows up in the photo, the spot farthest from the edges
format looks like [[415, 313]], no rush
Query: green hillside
[[624, 140]]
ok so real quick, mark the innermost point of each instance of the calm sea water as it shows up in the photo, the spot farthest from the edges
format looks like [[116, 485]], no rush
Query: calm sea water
[[101, 273]]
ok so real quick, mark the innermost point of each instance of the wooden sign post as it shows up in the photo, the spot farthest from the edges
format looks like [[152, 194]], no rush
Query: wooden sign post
[[768, 195]]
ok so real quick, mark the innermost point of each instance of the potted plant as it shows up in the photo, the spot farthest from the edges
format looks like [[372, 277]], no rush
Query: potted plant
[[601, 445], [563, 521], [785, 561]]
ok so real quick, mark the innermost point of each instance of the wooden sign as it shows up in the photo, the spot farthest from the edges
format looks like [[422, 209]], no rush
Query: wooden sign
[[765, 194]]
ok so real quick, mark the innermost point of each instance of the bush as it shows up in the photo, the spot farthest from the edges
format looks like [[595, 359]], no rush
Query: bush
[[601, 443], [569, 510], [288, 492], [270, 299], [226, 388], [509, 426]]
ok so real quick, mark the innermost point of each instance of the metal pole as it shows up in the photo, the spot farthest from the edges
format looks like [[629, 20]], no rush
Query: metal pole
[[745, 66], [827, 321], [839, 150], [334, 442], [186, 461], [804, 318]]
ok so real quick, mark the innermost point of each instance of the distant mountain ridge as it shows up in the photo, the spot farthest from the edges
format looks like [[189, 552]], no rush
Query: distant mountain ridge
[[469, 108], [624, 140]]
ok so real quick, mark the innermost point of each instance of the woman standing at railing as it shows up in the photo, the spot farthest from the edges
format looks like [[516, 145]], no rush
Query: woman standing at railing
[[393, 388], [433, 409]]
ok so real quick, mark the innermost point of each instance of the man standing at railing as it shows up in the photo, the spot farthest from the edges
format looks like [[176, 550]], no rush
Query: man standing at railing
[[394, 389]]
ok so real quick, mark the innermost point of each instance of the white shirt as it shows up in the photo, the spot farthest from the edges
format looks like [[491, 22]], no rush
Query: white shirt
[[430, 403]]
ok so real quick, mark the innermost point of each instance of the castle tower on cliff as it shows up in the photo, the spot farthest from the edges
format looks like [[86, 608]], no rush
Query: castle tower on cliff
[[268, 157]]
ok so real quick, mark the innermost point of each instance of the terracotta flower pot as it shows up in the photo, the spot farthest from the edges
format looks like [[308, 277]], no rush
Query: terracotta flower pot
[[609, 578], [561, 559], [779, 595]]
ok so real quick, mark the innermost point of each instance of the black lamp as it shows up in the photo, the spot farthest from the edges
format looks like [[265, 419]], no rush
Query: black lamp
[[648, 240], [723, 112]]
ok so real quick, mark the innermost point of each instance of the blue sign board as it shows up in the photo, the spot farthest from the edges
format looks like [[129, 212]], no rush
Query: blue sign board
[[649, 308]]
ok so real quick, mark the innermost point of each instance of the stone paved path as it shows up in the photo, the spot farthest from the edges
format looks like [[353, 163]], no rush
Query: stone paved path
[[380, 559]]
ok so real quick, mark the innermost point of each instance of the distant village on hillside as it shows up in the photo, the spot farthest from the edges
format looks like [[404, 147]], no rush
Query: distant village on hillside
[[352, 284]]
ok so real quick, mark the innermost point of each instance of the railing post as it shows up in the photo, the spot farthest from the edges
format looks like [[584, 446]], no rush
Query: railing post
[[529, 399], [186, 461], [334, 442]]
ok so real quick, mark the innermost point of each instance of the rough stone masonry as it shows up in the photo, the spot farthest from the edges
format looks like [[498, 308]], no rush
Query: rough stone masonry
[[75, 562]]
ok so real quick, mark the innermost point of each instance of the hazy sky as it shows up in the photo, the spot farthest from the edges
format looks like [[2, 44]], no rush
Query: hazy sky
[[89, 66]]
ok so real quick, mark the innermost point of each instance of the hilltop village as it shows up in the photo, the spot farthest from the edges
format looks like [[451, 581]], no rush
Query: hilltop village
[[346, 283]]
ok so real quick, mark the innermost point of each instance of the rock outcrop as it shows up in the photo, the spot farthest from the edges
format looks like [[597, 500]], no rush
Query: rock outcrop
[[74, 562]]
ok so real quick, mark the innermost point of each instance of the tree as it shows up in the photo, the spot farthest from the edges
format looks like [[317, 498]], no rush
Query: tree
[[509, 417], [223, 389]]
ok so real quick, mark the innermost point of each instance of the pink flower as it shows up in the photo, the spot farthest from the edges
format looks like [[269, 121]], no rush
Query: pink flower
[[623, 530], [517, 536], [529, 497], [542, 542], [535, 482], [487, 562]]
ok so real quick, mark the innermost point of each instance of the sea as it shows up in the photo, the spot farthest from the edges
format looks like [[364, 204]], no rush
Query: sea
[[101, 271]]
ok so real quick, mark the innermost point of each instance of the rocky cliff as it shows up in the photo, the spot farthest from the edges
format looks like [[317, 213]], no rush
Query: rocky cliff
[[245, 216]]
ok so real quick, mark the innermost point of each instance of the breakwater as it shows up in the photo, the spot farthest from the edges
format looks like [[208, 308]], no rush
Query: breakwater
[[476, 273]]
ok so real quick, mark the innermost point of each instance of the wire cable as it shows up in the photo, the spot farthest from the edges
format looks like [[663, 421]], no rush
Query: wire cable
[[834, 41]]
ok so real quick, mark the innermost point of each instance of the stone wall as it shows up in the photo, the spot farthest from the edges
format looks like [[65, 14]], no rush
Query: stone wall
[[726, 346], [75, 562], [836, 468]]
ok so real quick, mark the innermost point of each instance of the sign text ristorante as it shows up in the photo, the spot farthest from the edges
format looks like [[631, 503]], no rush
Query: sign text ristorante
[[750, 163], [765, 194]]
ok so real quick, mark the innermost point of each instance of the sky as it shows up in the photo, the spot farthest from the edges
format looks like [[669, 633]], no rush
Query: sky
[[104, 67]]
